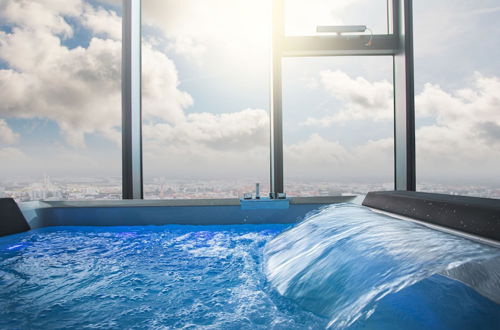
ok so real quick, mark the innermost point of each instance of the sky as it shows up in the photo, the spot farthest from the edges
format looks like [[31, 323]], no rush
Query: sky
[[206, 91]]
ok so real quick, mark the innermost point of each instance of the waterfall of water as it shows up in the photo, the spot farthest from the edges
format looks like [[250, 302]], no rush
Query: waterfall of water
[[342, 261]]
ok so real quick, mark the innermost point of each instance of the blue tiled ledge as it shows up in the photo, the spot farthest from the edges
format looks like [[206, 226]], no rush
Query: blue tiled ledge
[[191, 212]]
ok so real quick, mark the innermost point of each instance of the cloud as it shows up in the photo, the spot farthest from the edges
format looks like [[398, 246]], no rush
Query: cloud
[[466, 109], [463, 108], [465, 136], [189, 48], [7, 136], [361, 99], [460, 130], [13, 160], [224, 31], [78, 88], [228, 131], [195, 161], [161, 96], [490, 131], [228, 144], [103, 22], [322, 159], [40, 15], [57, 160]]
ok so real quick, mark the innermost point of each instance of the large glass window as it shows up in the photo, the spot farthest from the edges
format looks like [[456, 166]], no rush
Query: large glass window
[[457, 84], [338, 125], [205, 97], [60, 111]]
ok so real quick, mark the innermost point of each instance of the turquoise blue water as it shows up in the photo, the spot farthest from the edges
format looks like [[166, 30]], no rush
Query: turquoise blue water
[[196, 277], [362, 269], [189, 277]]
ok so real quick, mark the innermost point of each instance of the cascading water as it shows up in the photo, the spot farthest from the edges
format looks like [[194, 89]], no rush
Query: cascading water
[[342, 261]]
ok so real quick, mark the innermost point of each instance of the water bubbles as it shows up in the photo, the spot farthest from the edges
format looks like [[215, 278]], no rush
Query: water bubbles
[[143, 277]]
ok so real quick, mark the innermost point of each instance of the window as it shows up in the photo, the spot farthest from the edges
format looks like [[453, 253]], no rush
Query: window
[[338, 125], [205, 89], [457, 80], [60, 113]]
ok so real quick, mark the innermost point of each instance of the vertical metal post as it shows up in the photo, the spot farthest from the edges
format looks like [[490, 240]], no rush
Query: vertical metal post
[[131, 101], [404, 99], [276, 122]]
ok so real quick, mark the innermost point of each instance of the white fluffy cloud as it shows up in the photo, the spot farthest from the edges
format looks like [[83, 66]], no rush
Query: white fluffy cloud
[[79, 88], [229, 131], [223, 145], [40, 15], [461, 130], [161, 97], [361, 99], [466, 135], [465, 108], [7, 136], [103, 22], [322, 159]]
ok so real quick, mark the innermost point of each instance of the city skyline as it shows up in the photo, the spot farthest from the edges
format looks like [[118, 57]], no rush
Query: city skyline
[[109, 188]]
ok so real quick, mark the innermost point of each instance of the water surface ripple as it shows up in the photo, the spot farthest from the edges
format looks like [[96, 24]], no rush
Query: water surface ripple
[[167, 277]]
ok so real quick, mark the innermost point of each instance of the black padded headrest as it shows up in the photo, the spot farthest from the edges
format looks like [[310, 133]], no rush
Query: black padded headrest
[[12, 220], [473, 215]]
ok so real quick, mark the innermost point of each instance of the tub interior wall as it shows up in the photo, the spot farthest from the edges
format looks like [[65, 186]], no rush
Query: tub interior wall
[[189, 212]]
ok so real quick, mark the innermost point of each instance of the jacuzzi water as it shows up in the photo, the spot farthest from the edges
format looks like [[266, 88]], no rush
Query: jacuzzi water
[[222, 277], [347, 262], [142, 278]]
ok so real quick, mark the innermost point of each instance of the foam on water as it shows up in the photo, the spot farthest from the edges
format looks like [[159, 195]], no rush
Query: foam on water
[[341, 262], [190, 277]]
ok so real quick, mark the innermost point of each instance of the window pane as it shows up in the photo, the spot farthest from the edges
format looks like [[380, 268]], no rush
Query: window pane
[[338, 125], [205, 97], [303, 16], [60, 110], [457, 84]]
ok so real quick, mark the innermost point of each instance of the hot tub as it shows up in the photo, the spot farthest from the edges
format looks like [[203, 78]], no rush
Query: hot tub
[[256, 269]]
